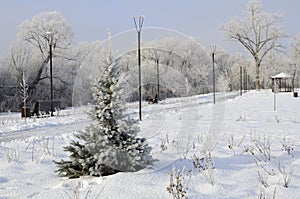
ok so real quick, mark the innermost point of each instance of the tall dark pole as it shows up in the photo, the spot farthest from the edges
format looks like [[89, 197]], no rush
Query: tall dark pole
[[213, 50], [138, 22], [50, 40], [51, 83], [241, 80], [248, 78], [245, 80], [214, 84], [293, 77], [140, 78], [157, 69]]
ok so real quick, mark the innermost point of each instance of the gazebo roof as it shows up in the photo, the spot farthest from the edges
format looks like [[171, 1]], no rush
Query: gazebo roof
[[281, 76]]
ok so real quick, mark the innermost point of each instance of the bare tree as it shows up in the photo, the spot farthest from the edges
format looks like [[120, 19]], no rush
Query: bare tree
[[274, 63], [259, 33], [296, 45], [225, 66], [19, 57], [295, 54], [35, 32]]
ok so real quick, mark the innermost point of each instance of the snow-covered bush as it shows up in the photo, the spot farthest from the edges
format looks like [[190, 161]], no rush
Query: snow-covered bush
[[287, 173], [264, 195], [79, 191], [287, 146], [241, 118], [263, 178], [39, 148], [12, 154], [183, 145], [164, 144], [233, 143], [109, 145], [261, 149], [179, 180]]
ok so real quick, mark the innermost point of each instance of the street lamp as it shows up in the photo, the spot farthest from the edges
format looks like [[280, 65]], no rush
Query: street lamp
[[241, 80], [213, 51], [245, 80], [157, 71], [293, 77], [138, 22], [50, 42]]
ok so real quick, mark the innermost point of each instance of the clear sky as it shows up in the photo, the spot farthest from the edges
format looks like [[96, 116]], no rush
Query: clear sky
[[90, 19]]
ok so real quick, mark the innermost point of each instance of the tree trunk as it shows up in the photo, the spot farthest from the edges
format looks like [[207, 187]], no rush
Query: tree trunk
[[257, 81], [36, 80]]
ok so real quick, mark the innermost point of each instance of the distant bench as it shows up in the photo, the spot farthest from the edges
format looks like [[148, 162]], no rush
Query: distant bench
[[44, 107]]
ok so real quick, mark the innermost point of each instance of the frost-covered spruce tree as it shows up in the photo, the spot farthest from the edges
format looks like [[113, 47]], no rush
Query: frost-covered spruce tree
[[110, 144]]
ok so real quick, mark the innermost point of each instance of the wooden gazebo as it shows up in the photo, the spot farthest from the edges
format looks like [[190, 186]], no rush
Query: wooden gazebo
[[283, 82]]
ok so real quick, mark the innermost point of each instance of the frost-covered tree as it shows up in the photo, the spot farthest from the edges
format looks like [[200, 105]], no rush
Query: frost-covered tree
[[224, 63], [110, 144], [259, 33], [183, 68], [274, 63], [295, 54], [39, 31], [19, 60]]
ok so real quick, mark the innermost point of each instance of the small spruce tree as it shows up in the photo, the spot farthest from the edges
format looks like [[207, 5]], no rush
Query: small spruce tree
[[110, 144]]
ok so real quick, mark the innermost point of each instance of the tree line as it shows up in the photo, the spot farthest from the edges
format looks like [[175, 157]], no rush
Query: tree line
[[180, 68]]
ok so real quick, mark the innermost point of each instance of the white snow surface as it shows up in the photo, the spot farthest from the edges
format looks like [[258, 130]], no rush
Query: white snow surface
[[186, 126]]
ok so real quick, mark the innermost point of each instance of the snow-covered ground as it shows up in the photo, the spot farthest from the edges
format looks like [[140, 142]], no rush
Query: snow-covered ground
[[244, 136]]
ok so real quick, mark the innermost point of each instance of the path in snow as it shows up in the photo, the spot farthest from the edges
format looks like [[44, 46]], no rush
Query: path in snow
[[75, 120]]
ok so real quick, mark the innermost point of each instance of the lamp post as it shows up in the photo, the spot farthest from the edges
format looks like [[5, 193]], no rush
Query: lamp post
[[213, 51], [50, 40], [138, 22], [245, 80], [293, 77], [241, 80], [157, 70]]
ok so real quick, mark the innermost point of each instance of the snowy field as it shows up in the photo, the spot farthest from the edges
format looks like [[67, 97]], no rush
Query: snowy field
[[238, 148]]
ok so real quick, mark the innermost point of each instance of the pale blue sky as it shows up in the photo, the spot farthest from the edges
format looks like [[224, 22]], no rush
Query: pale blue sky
[[90, 19]]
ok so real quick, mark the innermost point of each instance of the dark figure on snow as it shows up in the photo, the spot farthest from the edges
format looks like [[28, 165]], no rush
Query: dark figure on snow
[[155, 99]]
